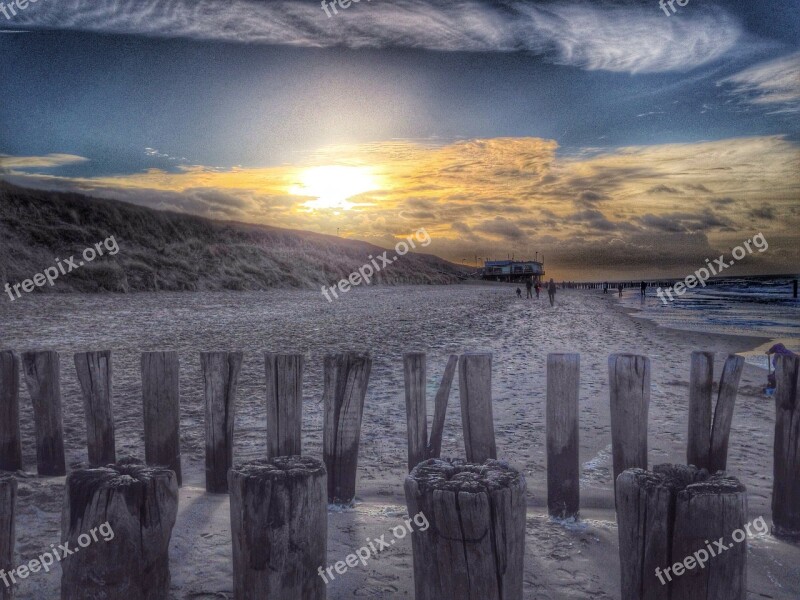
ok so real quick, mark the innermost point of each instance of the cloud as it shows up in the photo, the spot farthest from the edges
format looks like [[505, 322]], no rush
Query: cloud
[[621, 37], [49, 161], [774, 84]]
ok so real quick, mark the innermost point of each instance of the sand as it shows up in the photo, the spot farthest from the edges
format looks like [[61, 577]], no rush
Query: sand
[[563, 560]]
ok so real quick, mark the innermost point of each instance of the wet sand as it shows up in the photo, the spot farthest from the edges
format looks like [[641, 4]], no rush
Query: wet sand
[[562, 560]]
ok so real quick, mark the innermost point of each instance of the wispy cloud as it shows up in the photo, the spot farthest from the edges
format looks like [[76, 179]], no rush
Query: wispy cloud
[[619, 37], [50, 161], [774, 84]]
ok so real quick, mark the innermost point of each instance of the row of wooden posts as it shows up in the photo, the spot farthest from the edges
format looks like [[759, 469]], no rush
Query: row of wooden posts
[[476, 507]]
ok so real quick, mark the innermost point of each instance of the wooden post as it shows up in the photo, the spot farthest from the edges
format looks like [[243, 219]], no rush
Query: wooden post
[[284, 404], [416, 407], [346, 379], [95, 377], [43, 378], [786, 484], [474, 544], [629, 384], [8, 538], [132, 510], [563, 468], [440, 410], [701, 384], [220, 380], [669, 515], [10, 446], [161, 395], [475, 390], [723, 413], [279, 528]]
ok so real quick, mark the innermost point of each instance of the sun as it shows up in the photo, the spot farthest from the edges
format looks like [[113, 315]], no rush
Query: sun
[[332, 186]]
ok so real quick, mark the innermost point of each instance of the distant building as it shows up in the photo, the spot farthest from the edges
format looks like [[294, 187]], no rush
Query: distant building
[[513, 270]]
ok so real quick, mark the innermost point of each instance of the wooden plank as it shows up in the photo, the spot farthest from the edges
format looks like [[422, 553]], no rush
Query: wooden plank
[[220, 382], [440, 408], [475, 390], [161, 396], [132, 509], [723, 413], [10, 445], [284, 404], [629, 384], [279, 524], [563, 468], [701, 385], [8, 537], [786, 458], [43, 378], [95, 377], [414, 375], [345, 388]]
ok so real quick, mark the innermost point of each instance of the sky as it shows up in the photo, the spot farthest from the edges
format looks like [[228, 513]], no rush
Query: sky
[[613, 138]]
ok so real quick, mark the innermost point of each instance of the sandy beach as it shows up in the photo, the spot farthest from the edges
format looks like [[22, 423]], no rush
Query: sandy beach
[[563, 560]]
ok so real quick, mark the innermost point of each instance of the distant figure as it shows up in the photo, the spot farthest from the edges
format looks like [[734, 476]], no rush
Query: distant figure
[[644, 289], [538, 288], [551, 291], [529, 287], [605, 287], [619, 287], [519, 293], [777, 350]]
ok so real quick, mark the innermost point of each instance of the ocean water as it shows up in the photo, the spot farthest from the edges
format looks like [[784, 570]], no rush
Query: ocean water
[[760, 307]]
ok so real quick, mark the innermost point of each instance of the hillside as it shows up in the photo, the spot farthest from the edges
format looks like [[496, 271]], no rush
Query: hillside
[[170, 251]]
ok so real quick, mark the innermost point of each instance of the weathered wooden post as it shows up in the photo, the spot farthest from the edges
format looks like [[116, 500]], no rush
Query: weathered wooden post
[[475, 391], [279, 528], [284, 404], [10, 446], [710, 422], [563, 468], [95, 377], [667, 520], [629, 384], [346, 379], [415, 376], [161, 395], [220, 380], [43, 378], [474, 544], [8, 538], [118, 521], [440, 408], [786, 484]]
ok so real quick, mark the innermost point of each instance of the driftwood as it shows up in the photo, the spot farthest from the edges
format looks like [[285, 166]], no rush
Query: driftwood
[[284, 404], [416, 407], [43, 378], [475, 390], [220, 378], [475, 543], [120, 518], [279, 524], [346, 379], [672, 515], [161, 395], [10, 446], [95, 377], [563, 468], [629, 384], [440, 408], [8, 503], [786, 486]]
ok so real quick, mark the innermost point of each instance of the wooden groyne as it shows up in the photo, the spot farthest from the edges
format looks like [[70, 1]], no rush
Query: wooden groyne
[[279, 501]]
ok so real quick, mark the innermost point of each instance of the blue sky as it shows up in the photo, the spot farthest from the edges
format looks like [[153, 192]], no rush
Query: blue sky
[[221, 109]]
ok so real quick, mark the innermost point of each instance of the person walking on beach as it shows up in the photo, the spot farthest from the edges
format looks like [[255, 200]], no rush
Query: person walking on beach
[[605, 287], [538, 288], [519, 293], [529, 287], [644, 289], [551, 291], [619, 287]]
